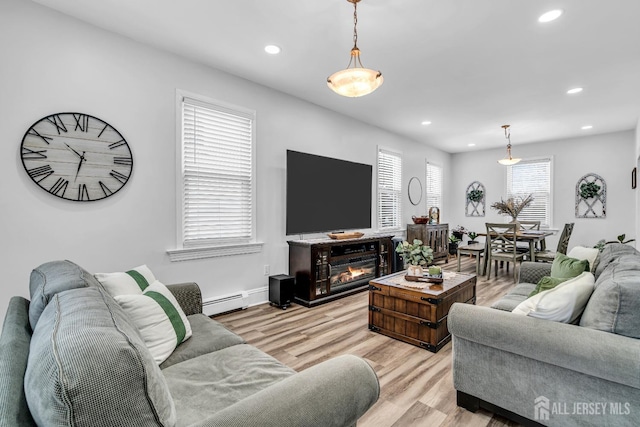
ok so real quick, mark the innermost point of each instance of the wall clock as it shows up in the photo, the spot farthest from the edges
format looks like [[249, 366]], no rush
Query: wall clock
[[76, 157]]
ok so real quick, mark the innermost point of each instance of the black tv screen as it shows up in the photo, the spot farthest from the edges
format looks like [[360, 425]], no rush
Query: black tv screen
[[326, 194]]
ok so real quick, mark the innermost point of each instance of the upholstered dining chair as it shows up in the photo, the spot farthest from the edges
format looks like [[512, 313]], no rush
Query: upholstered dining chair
[[501, 246], [563, 245]]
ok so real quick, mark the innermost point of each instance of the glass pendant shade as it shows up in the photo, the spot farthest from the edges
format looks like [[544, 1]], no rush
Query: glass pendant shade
[[355, 81]]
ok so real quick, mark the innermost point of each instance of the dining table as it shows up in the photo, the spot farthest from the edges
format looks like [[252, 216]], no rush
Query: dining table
[[530, 236]]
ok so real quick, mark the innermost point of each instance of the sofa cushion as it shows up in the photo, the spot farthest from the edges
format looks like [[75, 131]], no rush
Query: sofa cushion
[[515, 296], [88, 366], [545, 284], [129, 282], [209, 383], [613, 307], [564, 267], [610, 253], [159, 319], [14, 353], [563, 303], [51, 278], [581, 252], [207, 336]]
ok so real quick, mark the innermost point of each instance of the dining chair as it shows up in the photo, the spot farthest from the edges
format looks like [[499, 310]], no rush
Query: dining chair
[[530, 225], [563, 245], [501, 246]]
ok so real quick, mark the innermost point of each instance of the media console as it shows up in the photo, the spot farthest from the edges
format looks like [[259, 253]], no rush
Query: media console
[[327, 269]]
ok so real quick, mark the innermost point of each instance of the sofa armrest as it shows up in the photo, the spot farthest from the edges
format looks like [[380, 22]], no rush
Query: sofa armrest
[[532, 272], [188, 296], [600, 354], [333, 393]]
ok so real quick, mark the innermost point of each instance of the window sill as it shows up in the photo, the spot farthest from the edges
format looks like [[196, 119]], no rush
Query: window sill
[[187, 254]]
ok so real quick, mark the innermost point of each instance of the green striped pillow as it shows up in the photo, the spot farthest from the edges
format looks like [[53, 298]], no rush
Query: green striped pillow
[[159, 318], [134, 281]]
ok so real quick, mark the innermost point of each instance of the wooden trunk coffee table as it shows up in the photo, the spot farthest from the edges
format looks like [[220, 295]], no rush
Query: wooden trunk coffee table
[[416, 312]]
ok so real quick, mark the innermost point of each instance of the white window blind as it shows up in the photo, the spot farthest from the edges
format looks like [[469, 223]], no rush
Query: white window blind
[[434, 186], [532, 177], [389, 190], [217, 172]]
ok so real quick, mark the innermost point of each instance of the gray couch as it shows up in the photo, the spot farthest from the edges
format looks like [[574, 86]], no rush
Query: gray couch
[[71, 357], [540, 372]]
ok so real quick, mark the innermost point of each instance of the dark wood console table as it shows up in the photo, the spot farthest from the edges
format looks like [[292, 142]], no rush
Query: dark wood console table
[[436, 236], [327, 269]]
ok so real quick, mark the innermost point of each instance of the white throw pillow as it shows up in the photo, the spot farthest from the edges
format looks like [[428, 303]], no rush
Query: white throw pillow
[[159, 318], [581, 252], [131, 282], [564, 303]]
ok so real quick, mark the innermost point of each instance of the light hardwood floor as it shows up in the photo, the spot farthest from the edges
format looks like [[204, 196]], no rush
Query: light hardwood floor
[[416, 385]]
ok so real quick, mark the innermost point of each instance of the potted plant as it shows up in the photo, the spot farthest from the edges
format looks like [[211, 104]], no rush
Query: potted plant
[[459, 232], [453, 244], [472, 235], [513, 206], [415, 255]]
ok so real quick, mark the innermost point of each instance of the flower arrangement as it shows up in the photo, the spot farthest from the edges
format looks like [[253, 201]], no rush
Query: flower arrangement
[[459, 231], [513, 206], [415, 253], [589, 190], [475, 195]]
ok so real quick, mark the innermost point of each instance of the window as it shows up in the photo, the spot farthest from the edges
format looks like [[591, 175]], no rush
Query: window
[[389, 189], [216, 185], [532, 177], [434, 186]]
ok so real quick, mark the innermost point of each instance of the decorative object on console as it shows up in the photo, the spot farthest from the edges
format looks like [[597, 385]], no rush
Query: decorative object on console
[[475, 199], [76, 157], [434, 215], [343, 236], [415, 191], [420, 219], [355, 80], [508, 161], [591, 197]]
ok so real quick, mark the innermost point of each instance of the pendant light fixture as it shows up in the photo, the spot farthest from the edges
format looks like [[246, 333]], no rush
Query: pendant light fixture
[[355, 80], [507, 161]]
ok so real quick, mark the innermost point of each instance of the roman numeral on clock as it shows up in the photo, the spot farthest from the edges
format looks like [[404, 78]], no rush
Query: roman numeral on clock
[[60, 186], [118, 176], [40, 171], [103, 129], [29, 154], [57, 122], [83, 193], [105, 189], [34, 132], [82, 122], [122, 161], [116, 144]]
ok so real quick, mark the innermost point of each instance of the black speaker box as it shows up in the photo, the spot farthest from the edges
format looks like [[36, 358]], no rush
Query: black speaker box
[[281, 290]]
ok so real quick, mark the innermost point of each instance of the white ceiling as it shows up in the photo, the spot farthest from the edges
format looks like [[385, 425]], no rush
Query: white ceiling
[[468, 66]]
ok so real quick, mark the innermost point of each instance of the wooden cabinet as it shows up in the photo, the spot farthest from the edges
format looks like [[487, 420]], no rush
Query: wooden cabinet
[[436, 236], [328, 269]]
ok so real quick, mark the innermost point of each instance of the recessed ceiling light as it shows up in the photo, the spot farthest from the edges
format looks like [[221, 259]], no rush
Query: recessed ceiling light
[[471, 145], [552, 15], [586, 127], [272, 49], [574, 90], [426, 123]]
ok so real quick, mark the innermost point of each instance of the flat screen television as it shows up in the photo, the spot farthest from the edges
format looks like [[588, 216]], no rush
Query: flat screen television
[[326, 194]]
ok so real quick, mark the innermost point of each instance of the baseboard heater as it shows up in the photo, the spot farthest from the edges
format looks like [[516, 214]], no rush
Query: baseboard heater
[[224, 303]]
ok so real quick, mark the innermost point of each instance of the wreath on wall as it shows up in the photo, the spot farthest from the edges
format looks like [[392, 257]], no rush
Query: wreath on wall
[[589, 190], [475, 195]]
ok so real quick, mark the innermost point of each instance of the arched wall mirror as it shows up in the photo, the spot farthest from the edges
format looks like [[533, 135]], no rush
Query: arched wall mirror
[[415, 191]]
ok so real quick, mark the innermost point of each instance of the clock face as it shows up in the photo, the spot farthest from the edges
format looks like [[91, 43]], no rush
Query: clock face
[[76, 157]]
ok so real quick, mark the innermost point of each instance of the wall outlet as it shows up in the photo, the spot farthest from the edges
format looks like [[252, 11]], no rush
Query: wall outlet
[[266, 270]]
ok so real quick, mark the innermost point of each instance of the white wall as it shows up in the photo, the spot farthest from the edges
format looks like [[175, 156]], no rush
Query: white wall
[[52, 63], [611, 156]]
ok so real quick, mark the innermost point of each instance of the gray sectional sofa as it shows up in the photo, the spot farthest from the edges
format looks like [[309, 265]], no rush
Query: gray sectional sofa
[[71, 357], [540, 372]]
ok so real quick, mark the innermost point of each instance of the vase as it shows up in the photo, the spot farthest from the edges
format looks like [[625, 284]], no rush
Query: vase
[[415, 270], [517, 223]]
